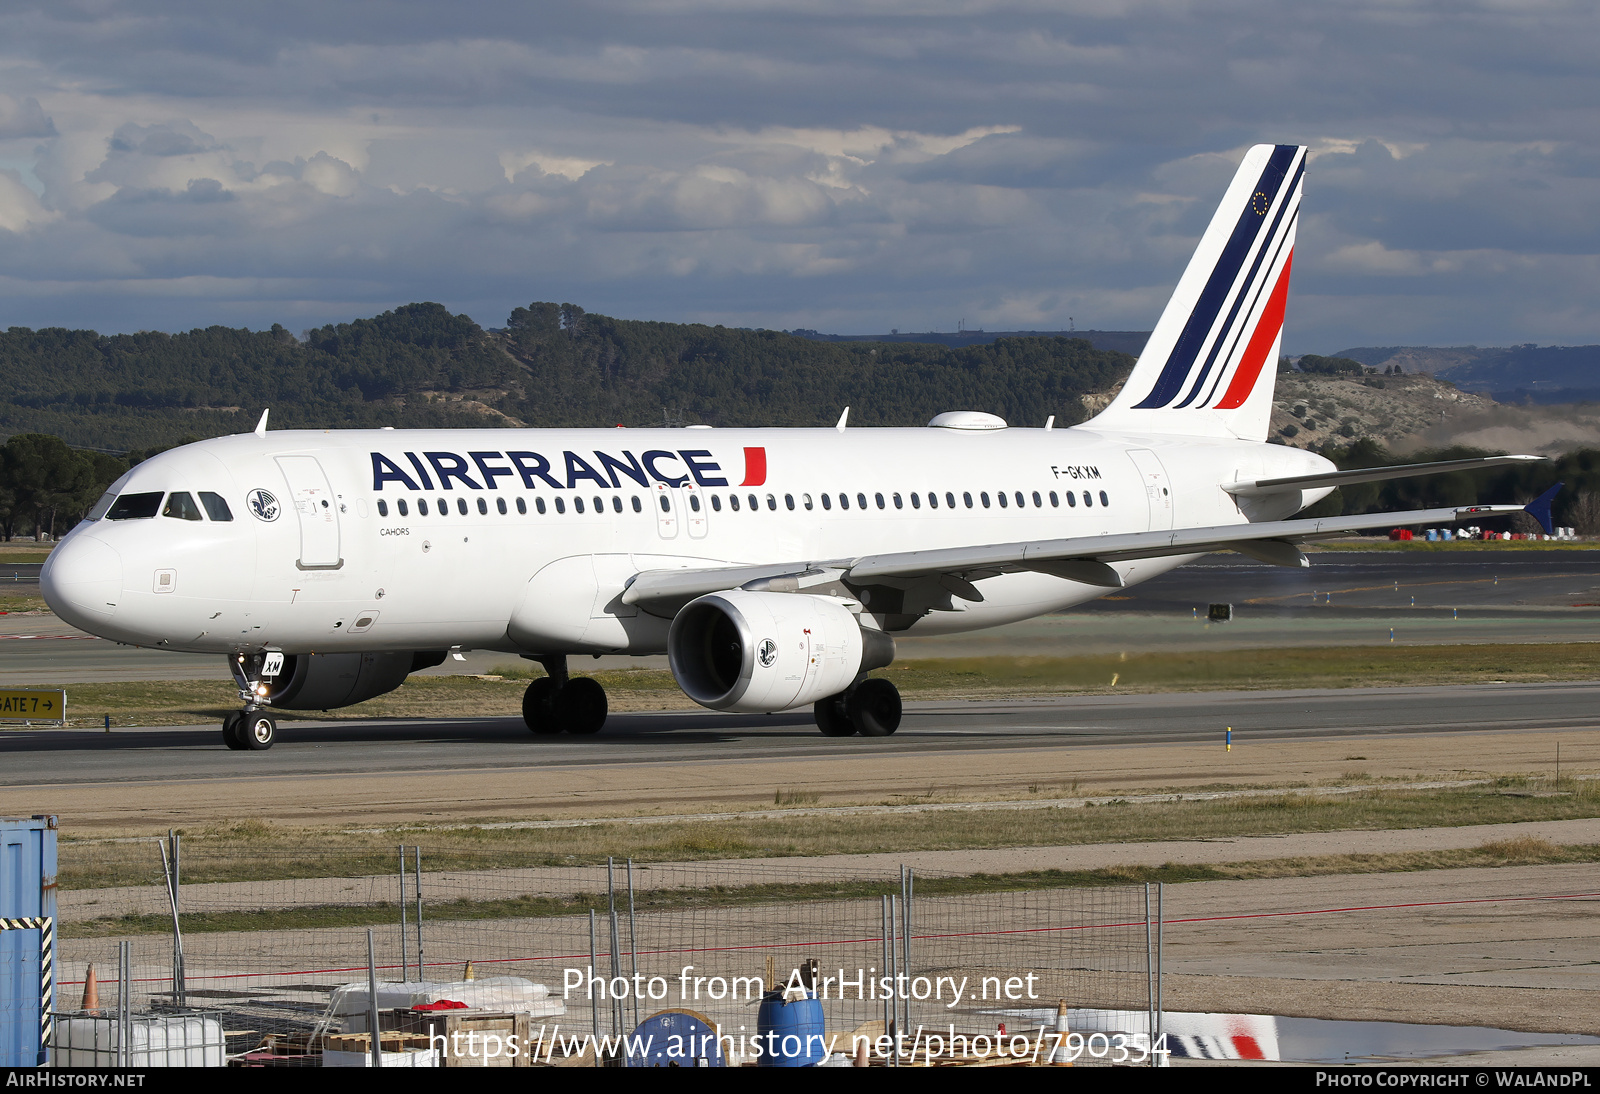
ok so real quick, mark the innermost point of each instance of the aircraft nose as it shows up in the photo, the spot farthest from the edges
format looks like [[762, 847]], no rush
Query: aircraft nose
[[82, 581]]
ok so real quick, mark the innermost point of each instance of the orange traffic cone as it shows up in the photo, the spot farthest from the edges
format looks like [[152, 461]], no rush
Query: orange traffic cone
[[91, 992]]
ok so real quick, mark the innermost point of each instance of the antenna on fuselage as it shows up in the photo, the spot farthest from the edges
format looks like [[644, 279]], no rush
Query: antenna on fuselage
[[261, 426], [843, 418]]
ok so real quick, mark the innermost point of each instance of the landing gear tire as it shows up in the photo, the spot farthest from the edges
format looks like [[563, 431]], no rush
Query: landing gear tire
[[873, 707], [580, 705], [831, 717], [537, 703], [258, 731], [232, 734]]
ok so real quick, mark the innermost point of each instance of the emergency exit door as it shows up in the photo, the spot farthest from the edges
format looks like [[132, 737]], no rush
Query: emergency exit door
[[1156, 486], [317, 510]]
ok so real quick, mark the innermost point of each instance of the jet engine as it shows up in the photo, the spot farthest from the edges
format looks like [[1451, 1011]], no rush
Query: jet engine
[[762, 651], [322, 681]]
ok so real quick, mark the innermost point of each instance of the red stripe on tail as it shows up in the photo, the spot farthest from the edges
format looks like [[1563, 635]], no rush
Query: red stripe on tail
[[755, 467], [1255, 354]]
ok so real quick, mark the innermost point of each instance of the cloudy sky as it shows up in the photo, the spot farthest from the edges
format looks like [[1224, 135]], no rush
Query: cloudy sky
[[847, 165]]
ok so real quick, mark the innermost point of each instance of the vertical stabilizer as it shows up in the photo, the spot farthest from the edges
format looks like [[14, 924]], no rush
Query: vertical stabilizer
[[1211, 362]]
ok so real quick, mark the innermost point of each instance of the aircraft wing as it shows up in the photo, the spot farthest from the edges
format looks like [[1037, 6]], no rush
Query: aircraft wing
[[1080, 558]]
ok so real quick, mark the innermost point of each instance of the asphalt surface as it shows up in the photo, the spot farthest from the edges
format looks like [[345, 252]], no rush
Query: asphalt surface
[[63, 757]]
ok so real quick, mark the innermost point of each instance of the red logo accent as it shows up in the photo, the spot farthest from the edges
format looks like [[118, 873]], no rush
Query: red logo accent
[[755, 467], [1255, 354]]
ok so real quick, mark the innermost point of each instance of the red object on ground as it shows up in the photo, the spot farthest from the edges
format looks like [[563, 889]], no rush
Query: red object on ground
[[443, 1004]]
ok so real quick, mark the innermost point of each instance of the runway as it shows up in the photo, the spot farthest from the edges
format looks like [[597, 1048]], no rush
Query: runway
[[311, 749]]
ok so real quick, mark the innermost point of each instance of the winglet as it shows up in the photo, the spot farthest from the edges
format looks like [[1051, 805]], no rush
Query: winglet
[[261, 426], [845, 417], [1539, 509]]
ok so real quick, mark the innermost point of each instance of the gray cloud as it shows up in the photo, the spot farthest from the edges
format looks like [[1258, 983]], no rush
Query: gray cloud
[[847, 166]]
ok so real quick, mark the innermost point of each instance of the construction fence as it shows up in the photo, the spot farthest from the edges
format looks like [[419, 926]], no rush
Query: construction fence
[[894, 953]]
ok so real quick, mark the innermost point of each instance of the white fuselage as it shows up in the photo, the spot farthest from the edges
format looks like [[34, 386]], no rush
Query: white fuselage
[[339, 566]]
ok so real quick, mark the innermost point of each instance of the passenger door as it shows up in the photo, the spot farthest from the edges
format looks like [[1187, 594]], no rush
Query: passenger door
[[317, 510]]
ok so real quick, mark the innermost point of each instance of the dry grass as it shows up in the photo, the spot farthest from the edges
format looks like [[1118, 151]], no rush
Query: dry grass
[[255, 849]]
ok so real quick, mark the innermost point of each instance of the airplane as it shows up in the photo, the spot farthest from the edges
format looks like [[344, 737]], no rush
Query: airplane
[[774, 567]]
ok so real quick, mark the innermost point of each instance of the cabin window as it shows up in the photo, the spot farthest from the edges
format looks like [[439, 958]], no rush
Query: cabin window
[[716, 503], [577, 505], [616, 504], [500, 504], [135, 507], [1072, 500], [422, 507], [844, 501], [217, 506], [522, 507], [772, 503], [1021, 501], [805, 500], [561, 504], [483, 507], [898, 504], [637, 507], [694, 502], [966, 496], [754, 504], [538, 504], [383, 508], [788, 502], [599, 504], [1038, 502], [1088, 500], [666, 505], [950, 500], [1002, 496], [461, 506], [916, 501], [861, 500], [1103, 499], [879, 499], [401, 505], [933, 500], [827, 502], [733, 500], [1055, 500]]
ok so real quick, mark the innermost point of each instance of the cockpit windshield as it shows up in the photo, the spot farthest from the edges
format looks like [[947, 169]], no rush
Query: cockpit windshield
[[180, 504], [216, 506], [135, 506]]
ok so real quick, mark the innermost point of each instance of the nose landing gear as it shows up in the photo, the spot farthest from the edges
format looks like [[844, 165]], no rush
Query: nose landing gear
[[559, 703], [252, 729]]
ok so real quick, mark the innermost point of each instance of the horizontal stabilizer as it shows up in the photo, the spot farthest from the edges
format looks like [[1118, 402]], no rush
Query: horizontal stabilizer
[[1260, 487]]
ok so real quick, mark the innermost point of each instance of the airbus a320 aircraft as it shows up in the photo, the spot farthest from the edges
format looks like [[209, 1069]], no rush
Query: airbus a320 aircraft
[[774, 567]]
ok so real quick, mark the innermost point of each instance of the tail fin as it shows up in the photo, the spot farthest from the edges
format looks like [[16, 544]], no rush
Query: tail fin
[[1201, 373]]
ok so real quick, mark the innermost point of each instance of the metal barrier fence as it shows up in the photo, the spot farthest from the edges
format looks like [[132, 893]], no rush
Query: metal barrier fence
[[614, 944]]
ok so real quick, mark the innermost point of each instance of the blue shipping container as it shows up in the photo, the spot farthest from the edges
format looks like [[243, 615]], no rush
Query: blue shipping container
[[28, 916]]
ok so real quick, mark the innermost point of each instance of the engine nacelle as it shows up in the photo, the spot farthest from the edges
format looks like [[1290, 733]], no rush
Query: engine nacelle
[[323, 681], [758, 652]]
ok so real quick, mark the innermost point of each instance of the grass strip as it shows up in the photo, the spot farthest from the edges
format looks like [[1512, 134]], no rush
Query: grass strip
[[198, 702], [258, 851], [1522, 851]]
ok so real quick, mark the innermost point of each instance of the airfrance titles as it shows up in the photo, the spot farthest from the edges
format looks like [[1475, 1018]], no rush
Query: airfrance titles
[[482, 470]]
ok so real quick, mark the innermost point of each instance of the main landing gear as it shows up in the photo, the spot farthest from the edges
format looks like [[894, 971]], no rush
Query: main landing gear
[[559, 703], [251, 729], [869, 707]]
